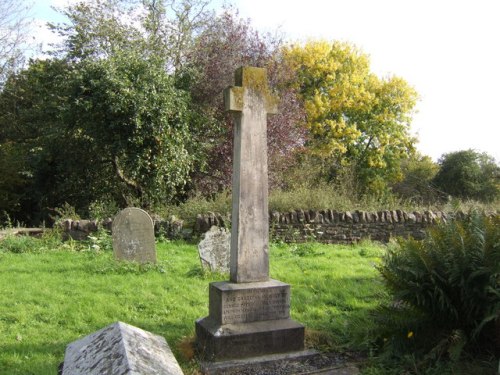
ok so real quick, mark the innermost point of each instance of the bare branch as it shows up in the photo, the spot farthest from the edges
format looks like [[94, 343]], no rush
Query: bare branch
[[14, 29]]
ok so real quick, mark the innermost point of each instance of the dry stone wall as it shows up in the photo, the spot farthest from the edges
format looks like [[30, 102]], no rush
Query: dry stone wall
[[326, 226]]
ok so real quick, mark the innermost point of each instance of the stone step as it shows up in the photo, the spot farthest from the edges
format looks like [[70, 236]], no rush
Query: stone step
[[242, 340]]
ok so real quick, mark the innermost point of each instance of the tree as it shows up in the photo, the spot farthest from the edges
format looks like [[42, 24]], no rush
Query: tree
[[114, 129], [172, 27], [12, 181], [14, 27], [353, 117], [102, 121], [469, 174], [227, 43], [138, 122], [418, 171], [30, 126], [96, 29], [162, 28]]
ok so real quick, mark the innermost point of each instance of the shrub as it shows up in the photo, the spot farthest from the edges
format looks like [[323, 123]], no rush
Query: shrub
[[469, 174], [445, 291]]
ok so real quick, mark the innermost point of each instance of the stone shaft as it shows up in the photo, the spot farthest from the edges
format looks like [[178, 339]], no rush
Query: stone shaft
[[250, 102]]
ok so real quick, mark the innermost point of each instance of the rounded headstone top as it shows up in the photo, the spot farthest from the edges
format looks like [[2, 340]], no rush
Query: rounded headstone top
[[133, 236]]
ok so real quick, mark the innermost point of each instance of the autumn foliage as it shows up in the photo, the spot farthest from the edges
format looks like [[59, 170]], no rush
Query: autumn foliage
[[133, 95], [353, 116]]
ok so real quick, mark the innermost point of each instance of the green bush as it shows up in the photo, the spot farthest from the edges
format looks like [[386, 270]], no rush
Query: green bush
[[445, 291]]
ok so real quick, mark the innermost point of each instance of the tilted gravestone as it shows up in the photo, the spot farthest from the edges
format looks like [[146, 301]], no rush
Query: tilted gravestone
[[133, 236], [249, 315], [214, 248], [120, 349]]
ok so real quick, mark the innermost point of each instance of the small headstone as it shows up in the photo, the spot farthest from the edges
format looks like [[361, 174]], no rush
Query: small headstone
[[214, 249], [120, 349], [133, 236]]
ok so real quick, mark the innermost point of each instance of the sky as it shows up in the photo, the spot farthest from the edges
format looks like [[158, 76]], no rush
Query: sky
[[448, 50]]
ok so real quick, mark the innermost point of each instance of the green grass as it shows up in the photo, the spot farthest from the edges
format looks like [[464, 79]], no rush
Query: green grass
[[53, 296]]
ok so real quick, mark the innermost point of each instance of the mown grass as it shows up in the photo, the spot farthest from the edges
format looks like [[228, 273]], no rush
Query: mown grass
[[53, 296]]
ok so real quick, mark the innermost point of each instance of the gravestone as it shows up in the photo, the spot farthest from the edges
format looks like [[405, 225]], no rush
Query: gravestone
[[250, 314], [213, 249], [120, 349], [133, 236]]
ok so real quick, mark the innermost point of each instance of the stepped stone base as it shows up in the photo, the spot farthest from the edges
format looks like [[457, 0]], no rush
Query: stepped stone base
[[248, 320], [243, 340]]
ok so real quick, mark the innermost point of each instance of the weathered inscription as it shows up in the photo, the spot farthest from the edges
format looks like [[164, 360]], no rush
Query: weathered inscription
[[239, 306]]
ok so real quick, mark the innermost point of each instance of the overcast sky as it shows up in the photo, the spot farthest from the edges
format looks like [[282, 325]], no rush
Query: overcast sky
[[449, 50]]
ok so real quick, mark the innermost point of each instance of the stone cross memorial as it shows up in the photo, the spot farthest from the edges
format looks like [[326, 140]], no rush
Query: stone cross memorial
[[133, 236], [249, 315]]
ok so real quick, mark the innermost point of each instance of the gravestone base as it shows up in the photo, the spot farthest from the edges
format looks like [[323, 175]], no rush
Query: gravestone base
[[248, 320], [244, 340], [287, 363]]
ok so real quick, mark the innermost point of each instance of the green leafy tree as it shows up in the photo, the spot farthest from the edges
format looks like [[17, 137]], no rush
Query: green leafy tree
[[115, 127], [418, 172], [163, 28], [30, 126], [96, 29], [353, 116], [104, 120], [12, 181], [137, 121], [469, 174]]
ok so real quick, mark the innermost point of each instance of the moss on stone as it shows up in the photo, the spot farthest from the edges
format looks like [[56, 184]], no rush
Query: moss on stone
[[255, 79]]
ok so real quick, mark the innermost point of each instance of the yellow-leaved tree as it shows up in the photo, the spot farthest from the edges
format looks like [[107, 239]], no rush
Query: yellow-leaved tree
[[354, 117]]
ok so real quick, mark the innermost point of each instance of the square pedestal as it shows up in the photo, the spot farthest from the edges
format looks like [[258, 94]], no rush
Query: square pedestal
[[247, 320]]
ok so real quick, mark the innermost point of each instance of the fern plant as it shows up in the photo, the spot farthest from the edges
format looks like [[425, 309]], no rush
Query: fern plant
[[445, 290]]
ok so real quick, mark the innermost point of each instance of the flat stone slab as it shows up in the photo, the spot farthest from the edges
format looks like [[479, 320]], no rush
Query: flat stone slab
[[306, 362], [120, 349]]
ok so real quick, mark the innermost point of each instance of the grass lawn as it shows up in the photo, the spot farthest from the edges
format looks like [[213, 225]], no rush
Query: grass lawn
[[56, 295]]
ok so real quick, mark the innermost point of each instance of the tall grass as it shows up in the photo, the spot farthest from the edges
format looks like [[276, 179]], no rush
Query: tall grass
[[322, 196]]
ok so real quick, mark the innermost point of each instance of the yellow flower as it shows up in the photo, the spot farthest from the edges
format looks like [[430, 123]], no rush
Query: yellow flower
[[410, 334]]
